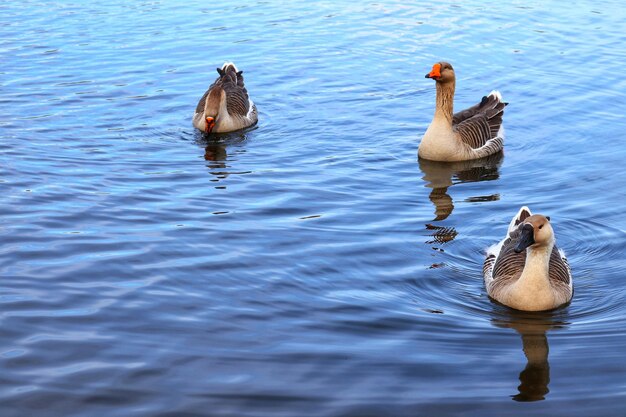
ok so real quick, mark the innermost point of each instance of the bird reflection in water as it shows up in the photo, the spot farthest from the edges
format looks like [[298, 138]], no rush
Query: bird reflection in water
[[441, 234], [215, 150], [440, 176], [532, 327]]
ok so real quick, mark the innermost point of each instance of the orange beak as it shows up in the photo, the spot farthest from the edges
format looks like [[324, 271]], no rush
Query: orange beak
[[210, 124], [435, 73]]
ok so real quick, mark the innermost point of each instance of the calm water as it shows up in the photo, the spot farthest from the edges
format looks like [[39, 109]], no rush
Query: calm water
[[311, 266]]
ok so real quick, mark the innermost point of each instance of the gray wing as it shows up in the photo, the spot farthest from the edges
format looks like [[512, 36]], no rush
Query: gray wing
[[231, 81], [481, 122], [237, 100], [488, 267], [509, 265], [487, 102], [559, 268]]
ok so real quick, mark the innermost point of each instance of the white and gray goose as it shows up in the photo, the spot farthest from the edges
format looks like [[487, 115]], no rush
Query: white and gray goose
[[473, 133], [225, 106], [526, 271]]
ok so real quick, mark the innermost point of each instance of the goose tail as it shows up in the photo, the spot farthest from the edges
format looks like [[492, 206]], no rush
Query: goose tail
[[497, 95], [229, 64], [521, 215]]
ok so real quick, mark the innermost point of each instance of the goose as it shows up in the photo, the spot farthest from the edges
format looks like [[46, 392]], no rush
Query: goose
[[526, 271], [473, 133], [225, 107]]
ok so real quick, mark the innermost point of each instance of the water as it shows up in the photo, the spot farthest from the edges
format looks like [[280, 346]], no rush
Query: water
[[310, 266]]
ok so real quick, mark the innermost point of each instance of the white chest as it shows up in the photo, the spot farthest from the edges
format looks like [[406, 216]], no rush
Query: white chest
[[440, 143]]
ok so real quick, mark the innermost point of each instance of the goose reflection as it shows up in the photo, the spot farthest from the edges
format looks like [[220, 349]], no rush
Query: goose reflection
[[442, 175], [533, 328], [215, 150]]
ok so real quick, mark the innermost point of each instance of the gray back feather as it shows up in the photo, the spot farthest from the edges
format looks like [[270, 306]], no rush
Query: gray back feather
[[479, 123], [231, 81]]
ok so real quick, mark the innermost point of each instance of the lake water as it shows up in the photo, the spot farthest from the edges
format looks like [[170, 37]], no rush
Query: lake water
[[311, 266]]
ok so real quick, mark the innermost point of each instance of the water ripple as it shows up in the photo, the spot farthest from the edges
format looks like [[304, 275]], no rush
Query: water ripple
[[311, 265]]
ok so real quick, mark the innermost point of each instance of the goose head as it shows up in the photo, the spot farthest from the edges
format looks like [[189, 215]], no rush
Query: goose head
[[442, 72], [536, 231]]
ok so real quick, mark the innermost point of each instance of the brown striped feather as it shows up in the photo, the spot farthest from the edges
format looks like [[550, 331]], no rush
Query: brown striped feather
[[479, 123], [237, 100], [508, 265]]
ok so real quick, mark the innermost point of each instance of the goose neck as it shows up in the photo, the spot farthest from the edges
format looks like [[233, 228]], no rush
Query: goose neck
[[445, 101], [536, 269]]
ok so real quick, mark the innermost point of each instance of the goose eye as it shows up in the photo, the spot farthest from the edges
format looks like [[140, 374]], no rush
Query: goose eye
[[541, 226]]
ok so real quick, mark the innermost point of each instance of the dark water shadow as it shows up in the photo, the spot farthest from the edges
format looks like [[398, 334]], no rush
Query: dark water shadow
[[215, 144], [440, 176], [216, 149], [533, 328]]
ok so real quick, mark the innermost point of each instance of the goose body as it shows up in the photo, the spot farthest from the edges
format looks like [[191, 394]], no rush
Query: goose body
[[225, 106], [473, 133], [526, 271]]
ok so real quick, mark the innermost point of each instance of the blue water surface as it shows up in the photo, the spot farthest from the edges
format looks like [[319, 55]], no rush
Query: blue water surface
[[311, 266]]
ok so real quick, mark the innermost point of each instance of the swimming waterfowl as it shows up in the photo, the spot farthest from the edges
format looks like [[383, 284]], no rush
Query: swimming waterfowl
[[526, 271], [473, 133], [225, 107]]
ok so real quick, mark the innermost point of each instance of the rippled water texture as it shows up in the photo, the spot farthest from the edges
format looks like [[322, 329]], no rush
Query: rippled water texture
[[310, 266]]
